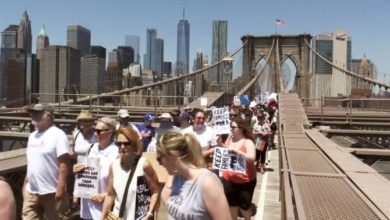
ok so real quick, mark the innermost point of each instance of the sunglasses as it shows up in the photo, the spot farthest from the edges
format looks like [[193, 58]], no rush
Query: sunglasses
[[99, 131], [233, 127], [200, 118], [120, 144]]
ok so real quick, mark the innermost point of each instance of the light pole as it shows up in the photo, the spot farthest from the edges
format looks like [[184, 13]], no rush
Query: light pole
[[227, 69]]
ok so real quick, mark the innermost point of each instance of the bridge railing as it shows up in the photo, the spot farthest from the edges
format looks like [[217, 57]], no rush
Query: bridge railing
[[150, 98], [348, 103]]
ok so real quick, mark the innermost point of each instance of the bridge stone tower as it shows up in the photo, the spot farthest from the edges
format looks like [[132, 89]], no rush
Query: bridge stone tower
[[291, 47]]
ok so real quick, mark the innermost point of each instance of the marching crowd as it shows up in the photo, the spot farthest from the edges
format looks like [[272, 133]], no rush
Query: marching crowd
[[184, 144]]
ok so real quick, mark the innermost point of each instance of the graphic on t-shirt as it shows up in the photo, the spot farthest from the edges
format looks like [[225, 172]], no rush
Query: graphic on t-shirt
[[221, 120], [225, 159], [142, 199], [87, 182]]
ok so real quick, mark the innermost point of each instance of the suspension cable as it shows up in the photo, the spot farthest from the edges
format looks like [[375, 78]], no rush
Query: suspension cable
[[137, 88], [252, 82], [366, 79]]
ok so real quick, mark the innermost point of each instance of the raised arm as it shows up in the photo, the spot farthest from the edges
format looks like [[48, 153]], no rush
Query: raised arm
[[111, 195]]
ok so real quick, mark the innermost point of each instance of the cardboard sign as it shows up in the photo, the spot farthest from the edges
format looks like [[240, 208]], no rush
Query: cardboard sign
[[87, 182], [221, 120], [225, 159], [161, 172], [142, 199]]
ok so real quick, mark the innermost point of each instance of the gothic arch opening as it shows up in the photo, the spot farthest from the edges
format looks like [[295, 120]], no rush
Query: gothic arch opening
[[264, 82], [288, 73]]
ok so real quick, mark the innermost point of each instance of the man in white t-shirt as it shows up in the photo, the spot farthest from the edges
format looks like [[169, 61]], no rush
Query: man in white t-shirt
[[47, 167]]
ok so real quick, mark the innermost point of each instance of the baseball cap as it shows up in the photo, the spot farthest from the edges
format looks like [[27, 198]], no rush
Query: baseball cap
[[166, 115], [185, 116], [148, 117], [123, 113], [42, 108]]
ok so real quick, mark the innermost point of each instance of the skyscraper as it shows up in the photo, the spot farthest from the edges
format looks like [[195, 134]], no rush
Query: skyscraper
[[59, 73], [329, 81], [151, 34], [92, 69], [134, 42], [363, 67], [125, 57], [42, 41], [12, 77], [24, 34], [99, 51], [167, 69], [9, 37], [200, 62], [183, 46], [112, 73], [219, 49], [79, 37], [157, 57]]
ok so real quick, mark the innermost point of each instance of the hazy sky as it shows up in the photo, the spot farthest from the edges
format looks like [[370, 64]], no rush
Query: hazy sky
[[367, 21]]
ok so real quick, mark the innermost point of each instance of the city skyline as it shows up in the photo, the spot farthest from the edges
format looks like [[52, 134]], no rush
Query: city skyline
[[110, 23]]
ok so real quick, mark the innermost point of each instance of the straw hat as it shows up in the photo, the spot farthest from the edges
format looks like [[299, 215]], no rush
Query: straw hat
[[85, 115]]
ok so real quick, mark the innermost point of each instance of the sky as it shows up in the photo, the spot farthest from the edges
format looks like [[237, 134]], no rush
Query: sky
[[366, 21]]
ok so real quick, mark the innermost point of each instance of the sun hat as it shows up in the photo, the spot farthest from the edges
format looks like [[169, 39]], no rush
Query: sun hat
[[123, 113], [85, 115]]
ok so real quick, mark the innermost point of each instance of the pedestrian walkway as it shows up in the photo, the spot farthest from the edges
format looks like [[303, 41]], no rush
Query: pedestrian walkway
[[267, 190]]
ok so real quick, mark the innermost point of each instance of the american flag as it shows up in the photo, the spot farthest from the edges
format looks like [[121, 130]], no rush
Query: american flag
[[279, 22]]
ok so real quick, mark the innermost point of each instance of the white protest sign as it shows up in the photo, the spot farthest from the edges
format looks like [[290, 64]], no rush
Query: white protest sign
[[225, 159], [87, 182], [203, 101], [264, 97], [221, 120]]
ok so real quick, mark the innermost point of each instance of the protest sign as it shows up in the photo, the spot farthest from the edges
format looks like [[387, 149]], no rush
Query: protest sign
[[225, 159], [221, 120], [203, 101], [143, 197], [87, 182], [264, 97]]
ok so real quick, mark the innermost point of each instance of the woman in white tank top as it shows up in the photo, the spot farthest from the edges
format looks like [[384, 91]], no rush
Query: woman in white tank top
[[144, 188], [191, 191]]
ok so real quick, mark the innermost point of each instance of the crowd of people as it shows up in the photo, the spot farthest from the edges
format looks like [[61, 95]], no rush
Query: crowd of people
[[184, 144]]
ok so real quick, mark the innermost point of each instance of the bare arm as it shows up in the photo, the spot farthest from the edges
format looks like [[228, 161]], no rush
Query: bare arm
[[63, 170], [214, 198], [7, 202], [250, 150], [167, 190], [111, 195], [208, 152], [152, 180]]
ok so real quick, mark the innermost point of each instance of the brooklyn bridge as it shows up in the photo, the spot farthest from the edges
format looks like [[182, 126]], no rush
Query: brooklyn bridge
[[331, 159]]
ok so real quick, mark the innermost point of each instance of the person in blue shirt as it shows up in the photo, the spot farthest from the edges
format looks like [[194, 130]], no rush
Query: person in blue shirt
[[147, 130]]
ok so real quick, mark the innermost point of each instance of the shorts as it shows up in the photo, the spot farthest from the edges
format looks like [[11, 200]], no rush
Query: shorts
[[239, 194]]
